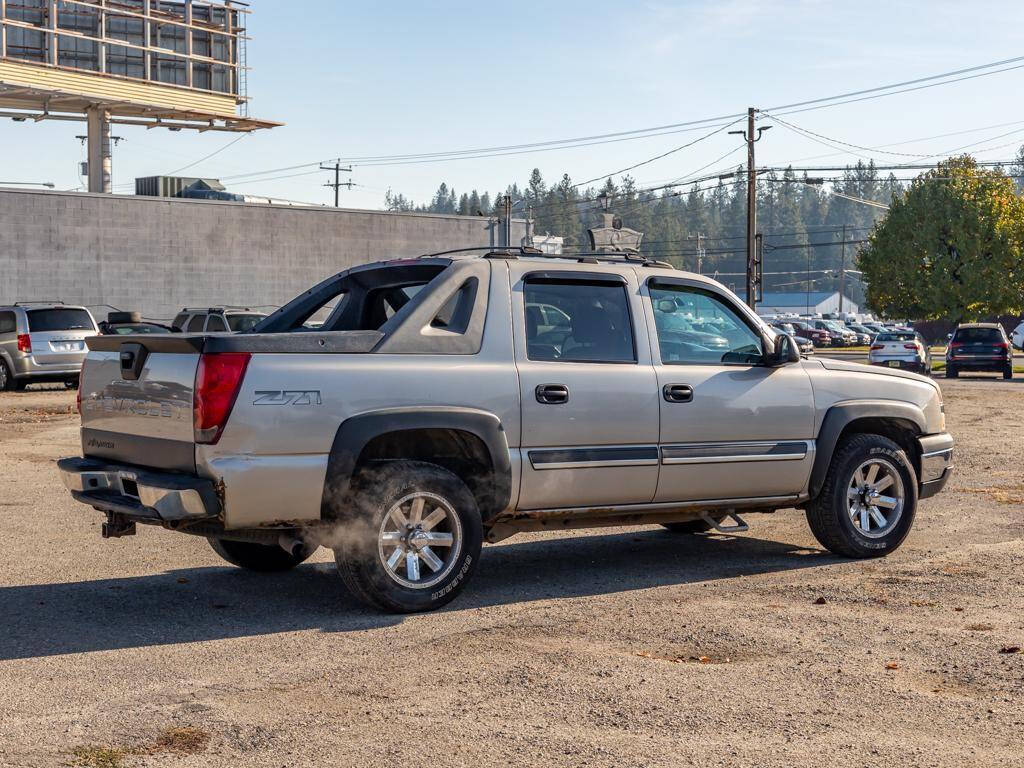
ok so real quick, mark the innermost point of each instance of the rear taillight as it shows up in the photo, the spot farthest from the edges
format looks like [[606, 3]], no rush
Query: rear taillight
[[877, 346], [956, 345], [24, 343], [1003, 346], [910, 346], [218, 380]]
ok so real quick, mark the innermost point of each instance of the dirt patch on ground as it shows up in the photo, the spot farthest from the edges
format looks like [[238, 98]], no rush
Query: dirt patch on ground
[[623, 647]]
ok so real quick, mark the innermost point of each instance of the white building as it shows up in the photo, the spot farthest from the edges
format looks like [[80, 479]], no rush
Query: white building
[[805, 303]]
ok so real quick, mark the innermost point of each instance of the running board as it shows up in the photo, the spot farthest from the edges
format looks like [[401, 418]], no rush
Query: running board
[[739, 527]]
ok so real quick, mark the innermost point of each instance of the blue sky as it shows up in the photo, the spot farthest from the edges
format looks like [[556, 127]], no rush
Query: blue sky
[[404, 77]]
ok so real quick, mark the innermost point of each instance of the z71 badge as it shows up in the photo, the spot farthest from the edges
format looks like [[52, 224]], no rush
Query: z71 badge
[[287, 397]]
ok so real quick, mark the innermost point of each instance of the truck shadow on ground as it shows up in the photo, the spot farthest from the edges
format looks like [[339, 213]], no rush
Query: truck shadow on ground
[[213, 603]]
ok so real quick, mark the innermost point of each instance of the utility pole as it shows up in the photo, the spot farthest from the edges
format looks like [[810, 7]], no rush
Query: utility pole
[[507, 228], [842, 273], [751, 138], [100, 166], [338, 183], [700, 251]]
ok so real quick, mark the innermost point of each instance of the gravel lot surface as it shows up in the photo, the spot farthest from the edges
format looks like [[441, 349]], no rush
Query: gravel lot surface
[[634, 647]]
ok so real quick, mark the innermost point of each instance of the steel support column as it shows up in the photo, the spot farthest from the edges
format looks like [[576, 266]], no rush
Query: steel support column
[[99, 150]]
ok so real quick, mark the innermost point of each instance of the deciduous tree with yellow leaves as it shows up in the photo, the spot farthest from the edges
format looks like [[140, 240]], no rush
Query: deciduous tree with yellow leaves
[[951, 246]]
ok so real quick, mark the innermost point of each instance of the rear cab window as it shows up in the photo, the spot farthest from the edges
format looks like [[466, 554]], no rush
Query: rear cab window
[[46, 320]]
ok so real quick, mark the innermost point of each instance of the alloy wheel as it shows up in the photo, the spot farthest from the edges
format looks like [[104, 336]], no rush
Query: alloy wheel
[[419, 540], [875, 498]]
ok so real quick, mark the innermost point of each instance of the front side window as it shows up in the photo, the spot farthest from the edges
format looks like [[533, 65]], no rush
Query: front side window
[[678, 312], [578, 321]]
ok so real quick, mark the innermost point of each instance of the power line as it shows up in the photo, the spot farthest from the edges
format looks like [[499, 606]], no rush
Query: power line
[[891, 89], [207, 157], [659, 157]]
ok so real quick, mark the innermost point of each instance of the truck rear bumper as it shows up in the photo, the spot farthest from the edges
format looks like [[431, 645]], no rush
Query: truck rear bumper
[[936, 463], [139, 494]]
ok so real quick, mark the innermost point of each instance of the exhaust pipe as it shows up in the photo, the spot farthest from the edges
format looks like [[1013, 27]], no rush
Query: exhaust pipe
[[290, 544]]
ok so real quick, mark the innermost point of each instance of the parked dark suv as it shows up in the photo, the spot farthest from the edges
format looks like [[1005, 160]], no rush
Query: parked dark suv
[[979, 347]]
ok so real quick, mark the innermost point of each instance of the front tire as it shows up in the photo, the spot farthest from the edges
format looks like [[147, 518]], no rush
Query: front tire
[[867, 504], [415, 540], [266, 558]]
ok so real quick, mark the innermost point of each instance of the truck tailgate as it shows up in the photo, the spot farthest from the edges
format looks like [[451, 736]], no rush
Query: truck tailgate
[[137, 400]]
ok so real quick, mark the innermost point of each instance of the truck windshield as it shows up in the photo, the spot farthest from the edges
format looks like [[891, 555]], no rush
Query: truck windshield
[[43, 320]]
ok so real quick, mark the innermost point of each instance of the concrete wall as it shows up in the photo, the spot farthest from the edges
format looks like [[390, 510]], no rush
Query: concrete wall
[[157, 255]]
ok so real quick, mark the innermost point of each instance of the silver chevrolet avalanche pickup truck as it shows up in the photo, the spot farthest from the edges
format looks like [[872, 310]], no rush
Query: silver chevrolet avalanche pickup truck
[[463, 397]]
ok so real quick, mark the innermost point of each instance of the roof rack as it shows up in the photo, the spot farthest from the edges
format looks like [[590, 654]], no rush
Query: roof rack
[[216, 309], [41, 301], [581, 257]]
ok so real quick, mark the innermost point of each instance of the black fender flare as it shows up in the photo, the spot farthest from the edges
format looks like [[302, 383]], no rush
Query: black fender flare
[[357, 431], [839, 416]]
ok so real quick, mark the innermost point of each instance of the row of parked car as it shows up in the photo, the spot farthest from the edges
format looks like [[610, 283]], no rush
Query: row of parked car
[[45, 341], [971, 347], [825, 332]]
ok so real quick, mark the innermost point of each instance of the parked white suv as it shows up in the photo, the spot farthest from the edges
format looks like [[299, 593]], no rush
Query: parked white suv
[[1017, 337]]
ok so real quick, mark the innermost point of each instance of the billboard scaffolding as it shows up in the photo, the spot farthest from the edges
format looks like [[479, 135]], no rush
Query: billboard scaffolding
[[177, 64]]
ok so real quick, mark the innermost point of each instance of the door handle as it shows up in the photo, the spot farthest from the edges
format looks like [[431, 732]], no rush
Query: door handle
[[678, 393], [552, 394]]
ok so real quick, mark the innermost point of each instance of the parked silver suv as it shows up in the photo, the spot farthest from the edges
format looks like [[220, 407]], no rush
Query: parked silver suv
[[41, 342], [435, 409], [217, 320]]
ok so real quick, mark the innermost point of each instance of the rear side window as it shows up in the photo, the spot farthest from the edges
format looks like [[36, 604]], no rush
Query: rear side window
[[43, 320], [216, 324], [976, 335], [195, 325], [179, 321], [7, 322], [241, 323], [578, 321]]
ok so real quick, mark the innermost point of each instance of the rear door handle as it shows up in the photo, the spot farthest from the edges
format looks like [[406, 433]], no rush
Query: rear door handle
[[552, 394], [677, 393]]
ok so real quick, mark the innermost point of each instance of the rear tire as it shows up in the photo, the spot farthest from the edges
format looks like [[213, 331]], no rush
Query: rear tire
[[71, 384], [1008, 372], [862, 523], [6, 379], [414, 541], [951, 372], [259, 557]]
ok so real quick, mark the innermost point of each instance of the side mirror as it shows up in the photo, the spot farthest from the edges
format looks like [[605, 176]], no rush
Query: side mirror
[[949, 335], [785, 351]]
